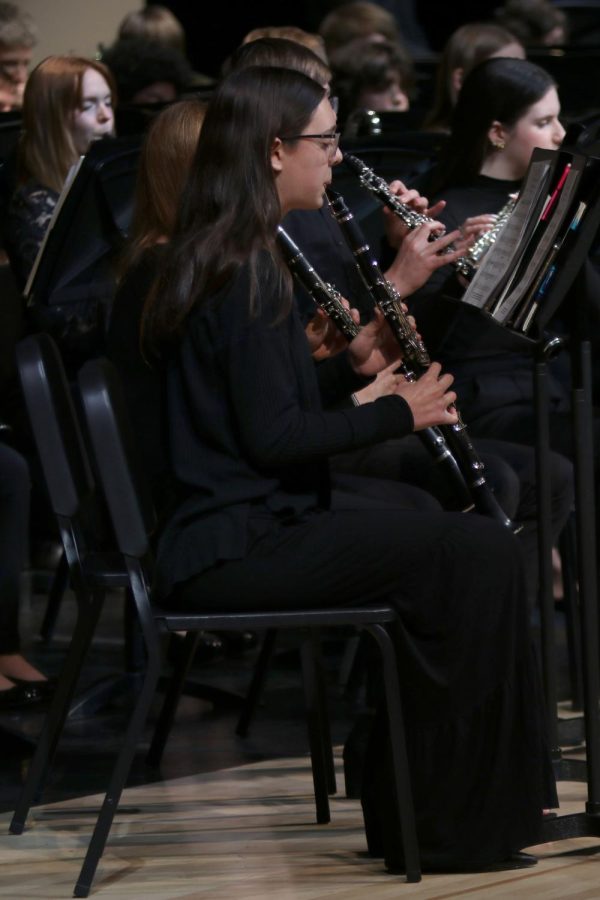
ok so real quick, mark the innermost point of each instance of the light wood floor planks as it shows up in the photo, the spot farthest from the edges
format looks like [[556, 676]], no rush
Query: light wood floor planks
[[249, 833]]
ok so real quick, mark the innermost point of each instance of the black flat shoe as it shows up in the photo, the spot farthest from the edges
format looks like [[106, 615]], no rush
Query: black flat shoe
[[44, 689], [236, 643], [210, 647], [19, 697]]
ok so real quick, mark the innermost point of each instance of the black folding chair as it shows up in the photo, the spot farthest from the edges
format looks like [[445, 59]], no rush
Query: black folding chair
[[93, 564], [91, 572], [133, 521]]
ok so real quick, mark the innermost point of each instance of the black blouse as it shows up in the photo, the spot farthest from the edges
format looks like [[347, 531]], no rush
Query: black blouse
[[29, 214], [247, 426]]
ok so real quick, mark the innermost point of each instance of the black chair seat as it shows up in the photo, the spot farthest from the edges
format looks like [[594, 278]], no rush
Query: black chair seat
[[244, 621]]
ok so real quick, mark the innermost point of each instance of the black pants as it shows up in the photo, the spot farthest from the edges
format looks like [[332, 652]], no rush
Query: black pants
[[14, 520], [509, 470], [476, 740]]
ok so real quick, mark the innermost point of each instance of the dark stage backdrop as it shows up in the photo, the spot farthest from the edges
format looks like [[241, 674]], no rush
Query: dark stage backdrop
[[215, 28]]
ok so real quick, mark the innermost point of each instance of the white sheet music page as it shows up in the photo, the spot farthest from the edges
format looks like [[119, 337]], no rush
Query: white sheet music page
[[519, 290], [63, 194], [504, 253]]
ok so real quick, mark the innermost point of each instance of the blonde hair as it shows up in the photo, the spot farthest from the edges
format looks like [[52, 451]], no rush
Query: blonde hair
[[154, 23], [313, 42], [164, 166], [52, 94]]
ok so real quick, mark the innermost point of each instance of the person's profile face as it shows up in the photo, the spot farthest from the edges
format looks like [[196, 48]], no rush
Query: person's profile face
[[304, 164], [389, 97], [93, 119], [14, 68], [539, 126]]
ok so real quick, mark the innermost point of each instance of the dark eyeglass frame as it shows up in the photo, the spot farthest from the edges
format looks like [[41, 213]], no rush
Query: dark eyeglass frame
[[334, 138]]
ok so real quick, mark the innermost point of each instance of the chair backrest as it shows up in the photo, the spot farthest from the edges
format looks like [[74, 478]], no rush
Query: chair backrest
[[54, 424], [116, 455]]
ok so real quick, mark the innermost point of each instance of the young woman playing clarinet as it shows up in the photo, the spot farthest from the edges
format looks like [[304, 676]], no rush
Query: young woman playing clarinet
[[250, 432]]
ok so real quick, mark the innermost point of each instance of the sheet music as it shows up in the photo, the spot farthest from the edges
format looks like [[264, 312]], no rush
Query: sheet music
[[542, 250], [63, 195], [502, 255]]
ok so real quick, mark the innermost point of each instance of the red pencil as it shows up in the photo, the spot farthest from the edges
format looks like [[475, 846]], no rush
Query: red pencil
[[554, 196]]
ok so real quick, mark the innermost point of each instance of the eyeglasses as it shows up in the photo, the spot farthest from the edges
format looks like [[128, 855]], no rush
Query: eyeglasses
[[331, 141]]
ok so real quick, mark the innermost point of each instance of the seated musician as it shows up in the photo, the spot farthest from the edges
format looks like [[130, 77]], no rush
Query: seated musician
[[68, 104], [254, 528]]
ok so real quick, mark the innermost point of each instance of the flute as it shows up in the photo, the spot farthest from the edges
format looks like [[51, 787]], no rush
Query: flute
[[387, 299], [466, 265]]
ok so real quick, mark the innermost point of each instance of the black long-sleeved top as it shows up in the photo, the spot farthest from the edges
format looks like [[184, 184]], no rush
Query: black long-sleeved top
[[247, 425]]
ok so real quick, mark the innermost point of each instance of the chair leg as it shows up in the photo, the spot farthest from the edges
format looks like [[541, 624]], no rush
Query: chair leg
[[324, 721], [171, 700], [406, 815], [256, 685], [60, 582], [314, 714], [89, 612], [119, 777], [568, 556]]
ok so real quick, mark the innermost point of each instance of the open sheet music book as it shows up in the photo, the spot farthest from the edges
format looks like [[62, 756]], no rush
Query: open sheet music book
[[59, 205], [499, 261], [518, 274]]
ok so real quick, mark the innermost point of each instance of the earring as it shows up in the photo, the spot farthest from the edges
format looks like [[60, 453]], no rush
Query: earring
[[499, 145]]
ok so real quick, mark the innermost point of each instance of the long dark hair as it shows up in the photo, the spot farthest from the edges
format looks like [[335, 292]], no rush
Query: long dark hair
[[163, 169], [468, 46], [231, 208], [499, 89]]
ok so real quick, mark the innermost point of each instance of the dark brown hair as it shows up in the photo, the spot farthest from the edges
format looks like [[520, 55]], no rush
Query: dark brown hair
[[468, 46], [231, 207], [165, 163]]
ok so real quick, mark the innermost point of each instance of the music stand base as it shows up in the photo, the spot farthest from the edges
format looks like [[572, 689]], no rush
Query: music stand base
[[574, 825]]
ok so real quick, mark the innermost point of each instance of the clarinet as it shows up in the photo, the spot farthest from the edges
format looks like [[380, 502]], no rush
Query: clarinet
[[467, 264], [329, 299], [387, 298]]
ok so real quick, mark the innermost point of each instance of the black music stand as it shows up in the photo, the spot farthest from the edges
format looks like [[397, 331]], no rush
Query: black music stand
[[72, 283], [91, 223], [570, 281]]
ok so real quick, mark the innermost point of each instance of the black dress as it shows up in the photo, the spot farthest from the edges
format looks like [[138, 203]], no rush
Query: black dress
[[249, 441]]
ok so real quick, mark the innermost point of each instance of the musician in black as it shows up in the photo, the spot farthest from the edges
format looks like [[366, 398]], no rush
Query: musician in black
[[250, 432], [505, 109], [510, 467]]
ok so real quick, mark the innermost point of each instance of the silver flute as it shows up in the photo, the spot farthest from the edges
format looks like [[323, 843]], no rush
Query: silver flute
[[466, 265]]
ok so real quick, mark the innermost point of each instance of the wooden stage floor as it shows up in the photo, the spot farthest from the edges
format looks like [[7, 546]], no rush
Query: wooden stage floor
[[247, 833]]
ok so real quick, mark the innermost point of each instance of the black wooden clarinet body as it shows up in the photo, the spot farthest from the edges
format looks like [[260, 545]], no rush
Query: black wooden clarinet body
[[415, 355], [329, 299]]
